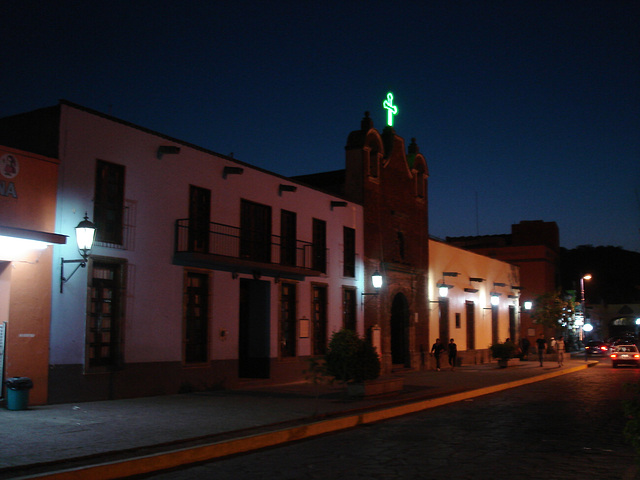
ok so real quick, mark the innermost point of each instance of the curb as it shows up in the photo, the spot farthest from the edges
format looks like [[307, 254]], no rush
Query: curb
[[180, 457]]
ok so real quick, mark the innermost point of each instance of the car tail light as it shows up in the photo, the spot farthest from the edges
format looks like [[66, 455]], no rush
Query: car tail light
[[637, 355], [603, 348], [614, 355]]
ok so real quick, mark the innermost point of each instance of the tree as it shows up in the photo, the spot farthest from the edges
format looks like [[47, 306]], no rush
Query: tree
[[351, 359], [553, 311]]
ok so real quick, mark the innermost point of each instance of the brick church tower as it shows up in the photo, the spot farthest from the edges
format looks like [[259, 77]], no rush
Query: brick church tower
[[391, 184]]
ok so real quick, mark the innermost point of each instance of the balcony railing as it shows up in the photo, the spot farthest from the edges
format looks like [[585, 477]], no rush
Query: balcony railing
[[252, 247]]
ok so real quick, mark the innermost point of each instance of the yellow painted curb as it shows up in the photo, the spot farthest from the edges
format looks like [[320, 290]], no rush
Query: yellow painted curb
[[177, 458]]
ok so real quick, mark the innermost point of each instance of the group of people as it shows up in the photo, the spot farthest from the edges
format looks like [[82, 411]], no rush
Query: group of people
[[556, 345], [438, 348]]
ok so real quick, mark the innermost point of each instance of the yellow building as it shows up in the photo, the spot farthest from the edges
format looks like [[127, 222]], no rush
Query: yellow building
[[474, 300]]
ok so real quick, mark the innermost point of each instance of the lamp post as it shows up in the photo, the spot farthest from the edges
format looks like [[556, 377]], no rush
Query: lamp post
[[85, 234], [584, 306]]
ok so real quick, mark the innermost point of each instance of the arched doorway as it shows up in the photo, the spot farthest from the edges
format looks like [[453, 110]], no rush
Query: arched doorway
[[400, 330]]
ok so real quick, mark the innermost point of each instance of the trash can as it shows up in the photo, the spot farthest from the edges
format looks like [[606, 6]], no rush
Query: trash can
[[18, 392]]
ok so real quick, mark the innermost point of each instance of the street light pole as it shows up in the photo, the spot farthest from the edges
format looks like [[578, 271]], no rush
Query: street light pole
[[584, 306]]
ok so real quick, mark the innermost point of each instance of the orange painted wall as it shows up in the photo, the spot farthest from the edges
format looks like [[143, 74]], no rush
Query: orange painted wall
[[26, 282]]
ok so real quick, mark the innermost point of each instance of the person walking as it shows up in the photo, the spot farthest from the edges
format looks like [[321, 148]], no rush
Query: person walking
[[524, 346], [453, 353], [560, 348], [542, 345], [436, 351]]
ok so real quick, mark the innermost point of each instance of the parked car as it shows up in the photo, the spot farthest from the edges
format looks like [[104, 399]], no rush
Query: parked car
[[595, 347], [625, 355]]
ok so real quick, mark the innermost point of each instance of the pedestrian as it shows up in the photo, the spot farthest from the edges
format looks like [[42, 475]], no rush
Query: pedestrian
[[453, 353], [542, 345], [524, 346], [436, 351], [560, 348]]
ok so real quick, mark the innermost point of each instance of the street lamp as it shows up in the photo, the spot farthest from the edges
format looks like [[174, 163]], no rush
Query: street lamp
[[85, 234], [376, 281], [584, 306]]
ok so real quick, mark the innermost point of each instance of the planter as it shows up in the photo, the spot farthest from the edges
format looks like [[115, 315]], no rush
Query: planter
[[375, 387], [504, 363]]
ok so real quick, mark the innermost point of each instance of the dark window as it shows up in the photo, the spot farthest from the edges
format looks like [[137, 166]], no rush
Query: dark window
[[319, 312], [349, 252], [196, 300], [494, 324], [421, 183], [471, 325], [349, 319], [288, 238], [373, 162], [108, 209], [513, 330], [319, 245], [458, 320], [105, 315], [444, 319], [255, 231], [288, 320], [199, 219]]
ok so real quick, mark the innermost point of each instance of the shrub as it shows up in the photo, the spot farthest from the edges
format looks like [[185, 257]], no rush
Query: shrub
[[351, 359], [503, 351]]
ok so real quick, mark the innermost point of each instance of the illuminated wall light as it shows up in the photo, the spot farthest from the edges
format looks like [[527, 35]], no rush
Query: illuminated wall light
[[443, 291], [13, 244], [376, 279], [528, 305], [18, 249], [495, 300]]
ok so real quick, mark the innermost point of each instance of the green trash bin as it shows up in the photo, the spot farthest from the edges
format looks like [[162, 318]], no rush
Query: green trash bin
[[18, 392]]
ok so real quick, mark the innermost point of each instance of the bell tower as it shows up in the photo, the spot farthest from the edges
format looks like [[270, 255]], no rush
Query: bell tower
[[391, 184]]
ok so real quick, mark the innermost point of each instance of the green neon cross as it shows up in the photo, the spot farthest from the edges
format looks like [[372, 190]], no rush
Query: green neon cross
[[391, 108]]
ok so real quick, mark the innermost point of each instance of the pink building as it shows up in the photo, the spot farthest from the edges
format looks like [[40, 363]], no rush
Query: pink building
[[206, 272]]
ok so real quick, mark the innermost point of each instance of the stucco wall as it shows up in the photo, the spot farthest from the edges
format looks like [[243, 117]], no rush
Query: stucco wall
[[446, 258], [157, 190]]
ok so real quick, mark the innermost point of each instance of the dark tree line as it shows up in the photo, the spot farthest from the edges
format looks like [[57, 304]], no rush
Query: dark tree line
[[616, 273]]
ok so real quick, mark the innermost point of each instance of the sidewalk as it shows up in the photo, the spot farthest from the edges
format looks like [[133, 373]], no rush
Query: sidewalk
[[146, 434]]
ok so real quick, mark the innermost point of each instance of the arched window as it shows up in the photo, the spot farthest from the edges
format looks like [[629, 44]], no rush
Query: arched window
[[374, 164]]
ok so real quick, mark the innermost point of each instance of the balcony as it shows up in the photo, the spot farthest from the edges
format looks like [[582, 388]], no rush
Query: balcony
[[224, 247]]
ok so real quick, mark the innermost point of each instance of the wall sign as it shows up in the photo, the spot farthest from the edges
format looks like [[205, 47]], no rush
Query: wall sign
[[9, 168]]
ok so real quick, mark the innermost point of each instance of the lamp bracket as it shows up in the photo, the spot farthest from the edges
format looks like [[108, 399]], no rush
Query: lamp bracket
[[365, 294], [81, 263]]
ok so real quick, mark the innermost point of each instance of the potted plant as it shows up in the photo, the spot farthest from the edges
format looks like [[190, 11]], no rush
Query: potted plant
[[503, 352], [351, 359]]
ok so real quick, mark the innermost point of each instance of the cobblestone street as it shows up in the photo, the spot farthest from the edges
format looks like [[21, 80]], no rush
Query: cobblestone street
[[564, 428]]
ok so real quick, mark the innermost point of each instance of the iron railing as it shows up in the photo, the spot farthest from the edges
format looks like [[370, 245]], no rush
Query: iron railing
[[237, 243]]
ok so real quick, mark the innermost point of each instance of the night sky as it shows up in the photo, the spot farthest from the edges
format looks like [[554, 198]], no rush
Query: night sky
[[524, 110]]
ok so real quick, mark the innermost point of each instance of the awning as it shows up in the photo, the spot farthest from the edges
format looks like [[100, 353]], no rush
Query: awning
[[24, 245], [36, 235]]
